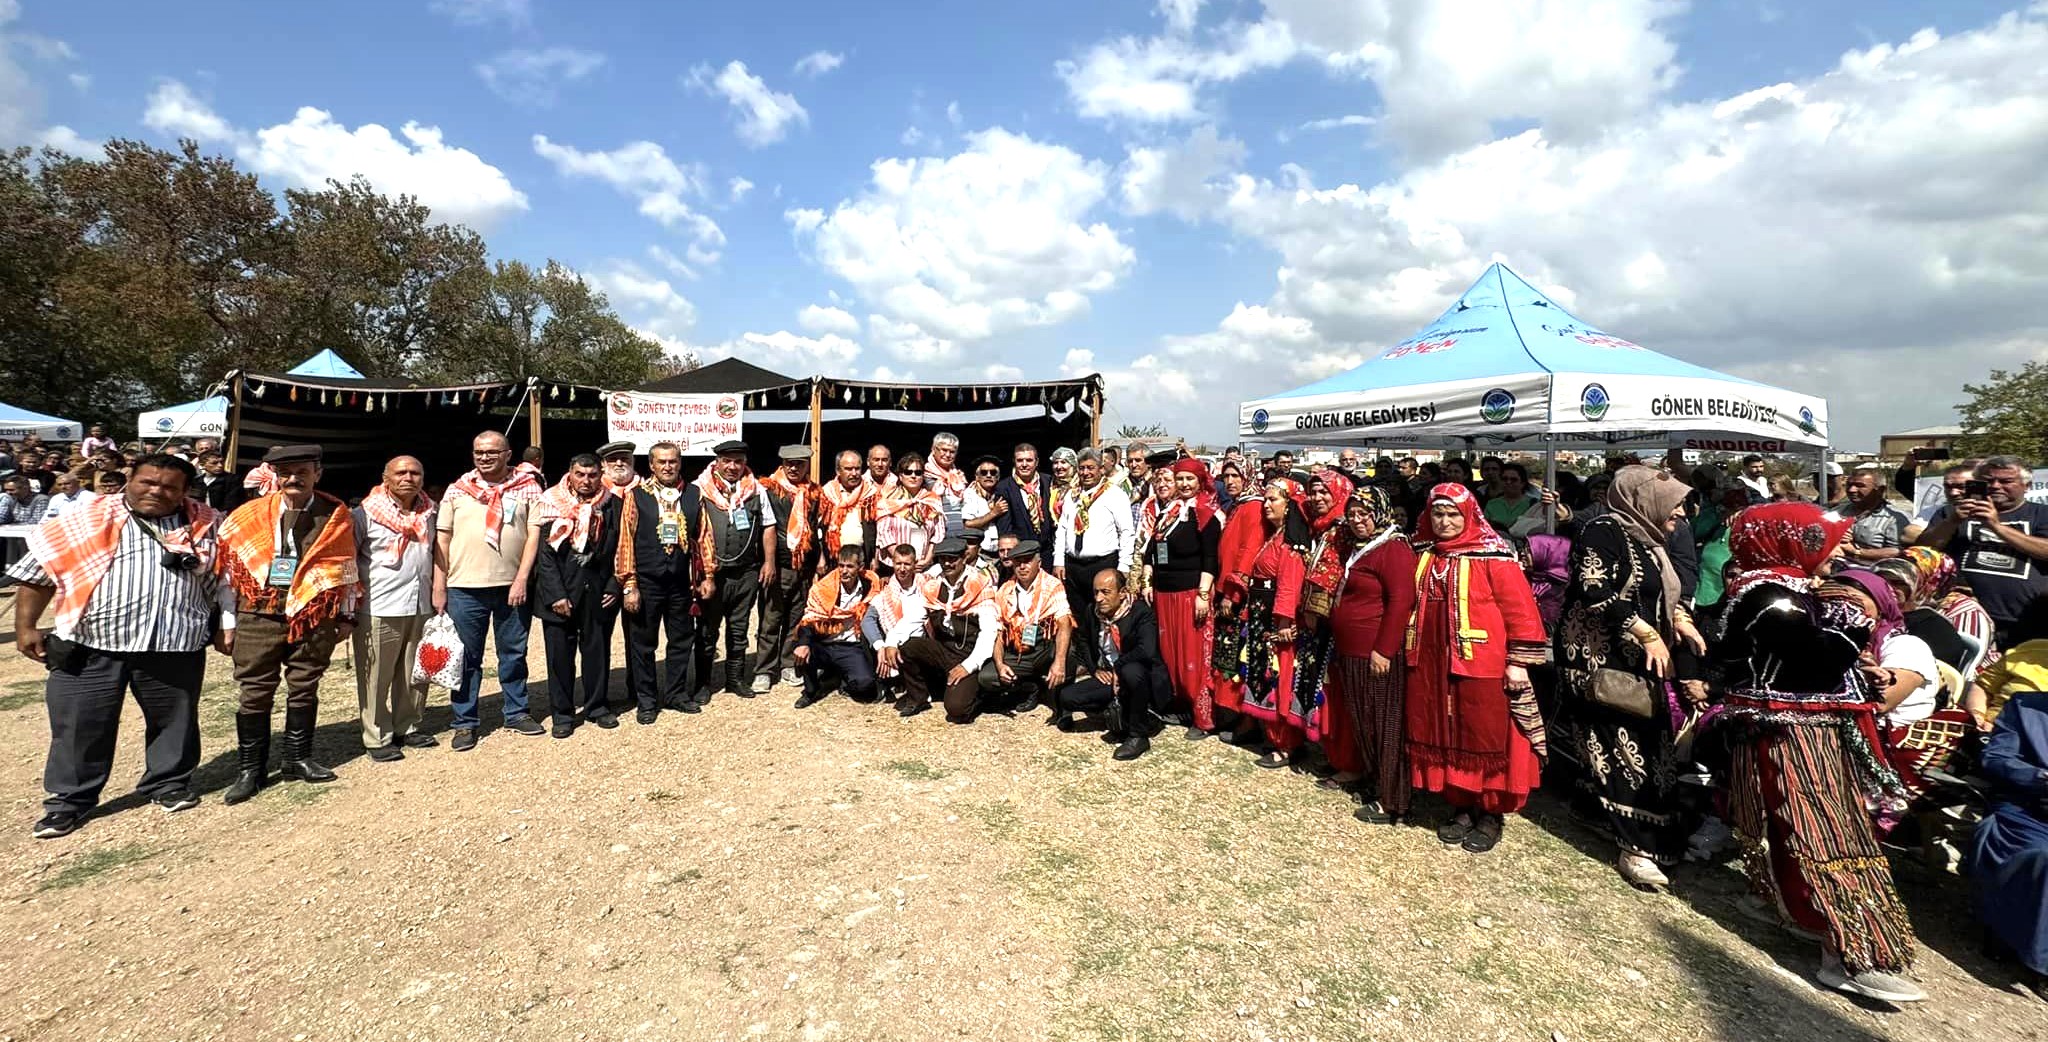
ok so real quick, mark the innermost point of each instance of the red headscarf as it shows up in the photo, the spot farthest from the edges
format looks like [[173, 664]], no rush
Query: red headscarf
[[1205, 501], [1340, 495], [1782, 542], [1478, 536]]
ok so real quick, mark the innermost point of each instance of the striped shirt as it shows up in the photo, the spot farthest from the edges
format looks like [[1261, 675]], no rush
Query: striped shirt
[[140, 605]]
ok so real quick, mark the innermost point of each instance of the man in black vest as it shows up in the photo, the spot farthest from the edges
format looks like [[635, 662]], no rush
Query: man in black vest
[[737, 523], [1027, 495], [794, 499], [659, 533], [1119, 669], [574, 585]]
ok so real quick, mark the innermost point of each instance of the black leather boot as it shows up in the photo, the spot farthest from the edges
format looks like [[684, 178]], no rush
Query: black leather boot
[[252, 754], [299, 764]]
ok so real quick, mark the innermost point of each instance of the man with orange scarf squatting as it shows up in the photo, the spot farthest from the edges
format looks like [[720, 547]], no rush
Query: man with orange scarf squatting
[[795, 501], [1038, 623], [289, 585], [829, 640], [947, 632]]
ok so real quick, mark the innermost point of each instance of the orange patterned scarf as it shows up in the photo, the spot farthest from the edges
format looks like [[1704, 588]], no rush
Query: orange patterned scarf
[[1047, 599], [802, 501], [77, 548], [823, 612], [840, 505], [382, 508], [325, 585]]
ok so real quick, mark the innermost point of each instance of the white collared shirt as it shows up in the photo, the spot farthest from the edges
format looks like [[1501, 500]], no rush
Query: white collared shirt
[[1111, 529]]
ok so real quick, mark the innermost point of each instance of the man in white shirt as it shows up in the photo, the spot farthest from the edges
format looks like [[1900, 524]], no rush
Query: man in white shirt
[[70, 496], [947, 631], [1038, 624], [942, 474], [395, 557], [885, 609], [1096, 532]]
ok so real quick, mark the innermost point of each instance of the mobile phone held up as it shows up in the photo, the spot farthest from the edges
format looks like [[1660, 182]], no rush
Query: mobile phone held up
[[1975, 489]]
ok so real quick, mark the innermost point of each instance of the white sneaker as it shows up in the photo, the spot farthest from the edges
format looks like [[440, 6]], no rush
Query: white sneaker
[[762, 683], [1873, 984], [790, 679], [1642, 871]]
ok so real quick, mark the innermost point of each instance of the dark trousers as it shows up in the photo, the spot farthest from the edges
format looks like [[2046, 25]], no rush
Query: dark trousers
[[1130, 705], [1081, 573], [262, 653], [851, 663], [583, 635], [782, 605], [663, 607], [85, 718], [1029, 667], [926, 662], [731, 606]]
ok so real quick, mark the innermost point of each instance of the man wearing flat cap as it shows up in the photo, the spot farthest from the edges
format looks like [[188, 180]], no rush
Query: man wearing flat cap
[[659, 528], [615, 462], [948, 630], [738, 528], [794, 499], [1030, 655], [288, 593]]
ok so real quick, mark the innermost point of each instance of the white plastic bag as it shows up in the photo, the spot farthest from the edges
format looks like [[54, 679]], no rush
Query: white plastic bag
[[439, 660]]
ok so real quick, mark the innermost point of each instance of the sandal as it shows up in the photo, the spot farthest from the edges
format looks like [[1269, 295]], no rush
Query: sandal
[[1454, 831]]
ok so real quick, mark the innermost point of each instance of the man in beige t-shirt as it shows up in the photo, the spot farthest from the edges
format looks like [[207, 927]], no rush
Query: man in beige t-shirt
[[480, 579]]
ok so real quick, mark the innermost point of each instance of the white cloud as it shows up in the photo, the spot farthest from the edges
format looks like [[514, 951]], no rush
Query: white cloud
[[792, 353], [21, 98], [953, 113], [764, 115], [535, 77], [65, 139], [515, 13], [647, 300], [1825, 234], [738, 187], [817, 319], [818, 63], [80, 81], [675, 265], [174, 110], [909, 342], [643, 171], [1334, 122], [992, 239], [313, 149], [1179, 177], [1444, 72]]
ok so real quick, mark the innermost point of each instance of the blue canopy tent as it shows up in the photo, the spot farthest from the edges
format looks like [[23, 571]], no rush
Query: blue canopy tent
[[16, 424], [1506, 365], [208, 417]]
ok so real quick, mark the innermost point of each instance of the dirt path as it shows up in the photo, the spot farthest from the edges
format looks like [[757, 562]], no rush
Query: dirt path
[[838, 873]]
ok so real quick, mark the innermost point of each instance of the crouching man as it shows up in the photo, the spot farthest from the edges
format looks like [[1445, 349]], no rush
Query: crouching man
[[829, 645]]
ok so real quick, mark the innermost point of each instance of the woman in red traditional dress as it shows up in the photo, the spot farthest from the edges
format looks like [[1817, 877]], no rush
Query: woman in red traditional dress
[[1364, 732], [1474, 732], [1263, 579], [1180, 549]]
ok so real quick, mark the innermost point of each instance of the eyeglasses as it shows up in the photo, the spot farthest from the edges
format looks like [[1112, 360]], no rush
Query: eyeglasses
[[913, 473], [988, 472]]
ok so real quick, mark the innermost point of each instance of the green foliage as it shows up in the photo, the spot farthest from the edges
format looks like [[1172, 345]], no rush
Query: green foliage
[[1154, 430], [143, 278], [2007, 415]]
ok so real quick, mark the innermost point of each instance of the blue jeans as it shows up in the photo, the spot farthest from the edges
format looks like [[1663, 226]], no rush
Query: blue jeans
[[473, 609]]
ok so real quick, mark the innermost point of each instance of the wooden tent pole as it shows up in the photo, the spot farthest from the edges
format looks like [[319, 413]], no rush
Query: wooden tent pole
[[532, 411], [235, 424], [1095, 417], [817, 429]]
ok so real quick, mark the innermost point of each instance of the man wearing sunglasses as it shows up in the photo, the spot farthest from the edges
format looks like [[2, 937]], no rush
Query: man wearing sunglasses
[[1999, 541]]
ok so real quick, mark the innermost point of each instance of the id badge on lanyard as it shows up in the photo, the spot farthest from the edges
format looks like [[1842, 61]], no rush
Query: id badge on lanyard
[[1159, 551], [285, 565], [741, 520], [282, 569], [671, 530], [1030, 637]]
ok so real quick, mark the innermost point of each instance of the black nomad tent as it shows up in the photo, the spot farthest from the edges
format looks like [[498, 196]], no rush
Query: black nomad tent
[[363, 423]]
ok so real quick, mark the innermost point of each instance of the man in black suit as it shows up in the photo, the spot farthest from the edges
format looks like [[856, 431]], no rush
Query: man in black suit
[[1119, 670], [577, 526], [215, 487], [1027, 494], [658, 539]]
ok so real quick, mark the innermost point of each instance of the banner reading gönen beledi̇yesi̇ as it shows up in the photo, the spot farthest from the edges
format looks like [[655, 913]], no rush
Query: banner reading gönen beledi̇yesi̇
[[696, 422]]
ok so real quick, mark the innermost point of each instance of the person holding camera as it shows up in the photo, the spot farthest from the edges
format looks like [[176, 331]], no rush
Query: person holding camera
[[131, 581], [287, 595], [1999, 541]]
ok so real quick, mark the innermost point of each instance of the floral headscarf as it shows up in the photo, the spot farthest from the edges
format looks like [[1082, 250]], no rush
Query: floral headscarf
[[1784, 543], [1935, 572], [1890, 619], [1478, 537], [1340, 489]]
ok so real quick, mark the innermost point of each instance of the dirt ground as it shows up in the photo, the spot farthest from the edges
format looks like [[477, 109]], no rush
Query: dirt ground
[[838, 873]]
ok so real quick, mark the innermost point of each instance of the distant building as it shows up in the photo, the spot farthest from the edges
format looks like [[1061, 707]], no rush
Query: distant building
[[1896, 447]]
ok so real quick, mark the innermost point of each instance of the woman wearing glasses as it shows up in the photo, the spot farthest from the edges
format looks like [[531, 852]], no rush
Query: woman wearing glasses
[[909, 512]]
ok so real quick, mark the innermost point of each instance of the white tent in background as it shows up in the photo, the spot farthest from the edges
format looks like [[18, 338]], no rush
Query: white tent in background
[[208, 417], [1505, 365], [16, 424]]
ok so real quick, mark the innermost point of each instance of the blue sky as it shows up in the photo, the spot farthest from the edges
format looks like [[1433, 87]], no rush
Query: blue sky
[[1809, 194]]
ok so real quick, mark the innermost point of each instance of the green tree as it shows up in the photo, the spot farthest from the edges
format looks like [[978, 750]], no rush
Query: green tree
[[2007, 415], [546, 322], [1154, 430]]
